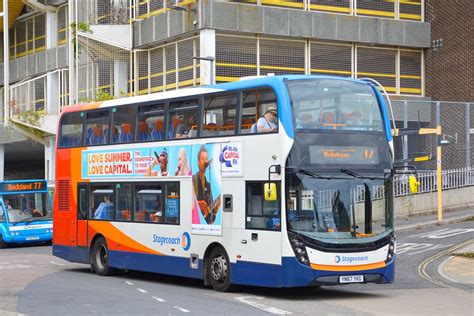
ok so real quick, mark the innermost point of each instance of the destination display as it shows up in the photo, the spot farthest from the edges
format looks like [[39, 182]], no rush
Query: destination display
[[12, 187], [335, 155]]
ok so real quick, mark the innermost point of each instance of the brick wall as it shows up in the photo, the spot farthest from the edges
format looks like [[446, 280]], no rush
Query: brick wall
[[450, 68]]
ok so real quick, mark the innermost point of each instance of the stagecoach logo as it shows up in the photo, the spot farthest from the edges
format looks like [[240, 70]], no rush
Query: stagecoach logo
[[350, 259], [184, 240]]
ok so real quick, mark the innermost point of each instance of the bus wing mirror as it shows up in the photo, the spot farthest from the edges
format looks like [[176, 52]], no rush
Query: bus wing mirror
[[414, 184], [270, 192]]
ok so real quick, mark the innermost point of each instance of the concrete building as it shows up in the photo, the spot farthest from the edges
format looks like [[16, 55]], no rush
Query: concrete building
[[64, 52]]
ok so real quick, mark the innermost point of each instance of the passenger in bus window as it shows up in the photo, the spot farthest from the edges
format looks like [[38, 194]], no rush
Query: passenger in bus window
[[100, 212], [274, 223], [268, 123], [184, 128], [355, 121], [7, 204], [183, 165]]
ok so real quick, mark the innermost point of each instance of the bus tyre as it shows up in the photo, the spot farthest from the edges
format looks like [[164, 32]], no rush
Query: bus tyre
[[218, 270], [100, 258], [2, 243]]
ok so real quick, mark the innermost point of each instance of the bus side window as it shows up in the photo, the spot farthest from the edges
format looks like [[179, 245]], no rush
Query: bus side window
[[261, 214], [97, 128], [149, 203], [150, 126], [102, 200], [183, 119], [124, 202], [254, 104], [70, 131], [219, 115], [2, 214], [123, 124]]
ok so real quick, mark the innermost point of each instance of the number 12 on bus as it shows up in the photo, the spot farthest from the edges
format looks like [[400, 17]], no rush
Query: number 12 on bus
[[279, 181]]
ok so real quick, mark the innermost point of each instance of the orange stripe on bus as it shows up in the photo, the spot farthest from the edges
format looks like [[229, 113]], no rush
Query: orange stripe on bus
[[348, 268], [91, 106], [124, 242]]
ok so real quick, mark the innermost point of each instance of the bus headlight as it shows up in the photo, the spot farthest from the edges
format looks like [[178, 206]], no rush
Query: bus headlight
[[391, 249], [299, 248]]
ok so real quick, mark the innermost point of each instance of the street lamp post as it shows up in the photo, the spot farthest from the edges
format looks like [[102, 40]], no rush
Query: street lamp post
[[211, 60]]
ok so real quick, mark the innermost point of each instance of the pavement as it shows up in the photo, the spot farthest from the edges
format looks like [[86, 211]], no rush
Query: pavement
[[459, 269], [427, 220], [455, 269]]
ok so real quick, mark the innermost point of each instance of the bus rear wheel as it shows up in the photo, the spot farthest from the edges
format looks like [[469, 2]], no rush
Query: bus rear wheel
[[218, 270], [100, 258], [2, 243]]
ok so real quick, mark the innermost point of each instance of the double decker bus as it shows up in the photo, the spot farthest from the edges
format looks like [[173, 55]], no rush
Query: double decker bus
[[25, 212], [280, 181]]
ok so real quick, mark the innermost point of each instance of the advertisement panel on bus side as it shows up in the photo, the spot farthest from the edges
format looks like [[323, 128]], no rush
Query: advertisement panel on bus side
[[206, 164]]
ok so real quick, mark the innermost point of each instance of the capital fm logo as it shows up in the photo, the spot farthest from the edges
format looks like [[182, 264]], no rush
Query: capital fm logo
[[229, 156]]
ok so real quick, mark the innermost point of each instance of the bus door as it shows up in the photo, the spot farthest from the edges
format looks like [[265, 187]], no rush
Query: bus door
[[82, 215], [259, 240]]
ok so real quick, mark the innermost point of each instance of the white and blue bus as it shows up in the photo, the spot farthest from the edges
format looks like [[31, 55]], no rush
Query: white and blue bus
[[25, 213], [279, 181]]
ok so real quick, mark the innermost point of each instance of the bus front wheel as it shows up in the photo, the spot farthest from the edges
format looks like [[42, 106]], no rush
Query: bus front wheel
[[218, 270], [100, 258], [2, 243]]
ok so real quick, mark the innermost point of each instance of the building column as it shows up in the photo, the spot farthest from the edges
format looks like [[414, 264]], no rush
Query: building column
[[120, 78], [50, 159], [207, 48], [52, 79], [2, 162]]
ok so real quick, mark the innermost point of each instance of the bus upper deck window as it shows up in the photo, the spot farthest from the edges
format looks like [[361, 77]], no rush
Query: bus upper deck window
[[71, 130], [219, 115], [255, 103]]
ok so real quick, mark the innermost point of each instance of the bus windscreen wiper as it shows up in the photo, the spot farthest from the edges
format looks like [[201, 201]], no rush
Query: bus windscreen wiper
[[308, 173], [358, 175]]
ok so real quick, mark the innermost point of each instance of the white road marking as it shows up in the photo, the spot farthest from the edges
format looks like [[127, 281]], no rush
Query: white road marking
[[129, 283], [184, 310], [159, 299], [57, 263], [15, 266], [444, 233], [416, 248], [268, 309], [142, 290]]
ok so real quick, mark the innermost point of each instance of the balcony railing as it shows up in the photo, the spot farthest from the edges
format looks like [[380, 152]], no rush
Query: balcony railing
[[29, 99], [391, 9]]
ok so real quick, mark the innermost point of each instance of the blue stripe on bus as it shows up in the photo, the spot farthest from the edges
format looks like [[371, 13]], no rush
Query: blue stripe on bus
[[291, 273], [385, 116]]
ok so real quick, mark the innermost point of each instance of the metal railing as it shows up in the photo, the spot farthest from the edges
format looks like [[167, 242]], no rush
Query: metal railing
[[390, 9], [31, 96], [451, 179]]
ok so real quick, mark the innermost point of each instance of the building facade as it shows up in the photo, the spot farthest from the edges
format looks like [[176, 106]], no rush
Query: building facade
[[64, 52]]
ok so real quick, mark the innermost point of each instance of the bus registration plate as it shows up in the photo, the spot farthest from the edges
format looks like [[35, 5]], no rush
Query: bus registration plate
[[32, 238], [351, 279]]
